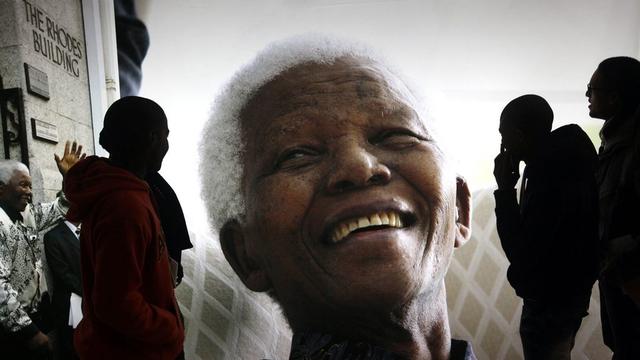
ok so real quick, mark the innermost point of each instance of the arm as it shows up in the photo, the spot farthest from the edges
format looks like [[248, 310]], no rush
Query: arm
[[47, 215], [59, 264], [507, 208], [120, 248], [509, 223]]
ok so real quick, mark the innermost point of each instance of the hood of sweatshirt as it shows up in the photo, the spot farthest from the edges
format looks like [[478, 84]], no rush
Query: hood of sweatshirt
[[91, 180]]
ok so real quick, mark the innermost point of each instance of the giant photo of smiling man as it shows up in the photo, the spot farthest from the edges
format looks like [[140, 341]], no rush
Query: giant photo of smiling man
[[323, 176]]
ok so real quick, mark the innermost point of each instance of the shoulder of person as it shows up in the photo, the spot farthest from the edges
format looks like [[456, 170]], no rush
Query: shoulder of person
[[126, 202]]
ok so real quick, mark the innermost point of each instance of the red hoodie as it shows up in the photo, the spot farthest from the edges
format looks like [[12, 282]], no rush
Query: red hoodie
[[129, 307]]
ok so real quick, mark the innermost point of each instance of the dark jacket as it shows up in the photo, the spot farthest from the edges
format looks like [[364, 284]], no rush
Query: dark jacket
[[551, 238], [62, 249], [619, 183], [129, 307]]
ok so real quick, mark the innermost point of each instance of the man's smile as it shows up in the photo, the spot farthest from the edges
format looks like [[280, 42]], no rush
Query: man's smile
[[371, 217], [376, 221]]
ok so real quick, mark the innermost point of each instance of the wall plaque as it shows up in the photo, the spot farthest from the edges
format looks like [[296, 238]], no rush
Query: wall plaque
[[37, 81], [43, 130]]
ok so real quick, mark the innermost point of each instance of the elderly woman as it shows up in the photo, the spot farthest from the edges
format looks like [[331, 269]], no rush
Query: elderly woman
[[331, 193]]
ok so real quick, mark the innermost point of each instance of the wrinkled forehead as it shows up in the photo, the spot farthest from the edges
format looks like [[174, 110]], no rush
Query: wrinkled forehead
[[20, 173], [311, 85]]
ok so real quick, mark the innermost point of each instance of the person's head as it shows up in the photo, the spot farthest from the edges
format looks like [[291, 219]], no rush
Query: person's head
[[614, 88], [524, 124], [136, 128], [327, 186], [15, 184]]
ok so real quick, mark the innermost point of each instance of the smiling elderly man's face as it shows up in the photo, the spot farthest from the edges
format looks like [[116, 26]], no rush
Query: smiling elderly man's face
[[350, 203]]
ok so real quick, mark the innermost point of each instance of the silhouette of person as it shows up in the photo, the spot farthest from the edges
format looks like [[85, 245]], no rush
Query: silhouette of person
[[614, 96], [550, 235], [129, 308]]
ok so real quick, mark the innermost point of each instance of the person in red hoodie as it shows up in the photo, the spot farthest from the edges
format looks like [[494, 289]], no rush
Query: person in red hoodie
[[129, 306]]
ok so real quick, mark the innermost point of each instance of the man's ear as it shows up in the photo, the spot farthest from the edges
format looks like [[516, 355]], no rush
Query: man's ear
[[152, 137], [463, 215], [235, 249], [614, 99]]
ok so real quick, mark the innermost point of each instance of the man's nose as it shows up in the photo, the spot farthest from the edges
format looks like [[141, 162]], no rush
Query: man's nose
[[354, 167]]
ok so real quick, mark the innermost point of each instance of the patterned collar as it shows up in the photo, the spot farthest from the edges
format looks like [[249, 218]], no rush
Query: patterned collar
[[11, 213], [316, 346]]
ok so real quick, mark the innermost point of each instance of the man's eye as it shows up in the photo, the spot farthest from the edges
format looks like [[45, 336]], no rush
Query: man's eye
[[296, 158], [397, 139]]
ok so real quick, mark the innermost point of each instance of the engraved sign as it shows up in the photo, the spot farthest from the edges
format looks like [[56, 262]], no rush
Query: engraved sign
[[44, 131], [37, 81], [53, 40]]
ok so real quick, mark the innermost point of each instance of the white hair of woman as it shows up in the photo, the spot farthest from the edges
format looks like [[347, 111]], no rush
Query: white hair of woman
[[9, 167], [221, 146]]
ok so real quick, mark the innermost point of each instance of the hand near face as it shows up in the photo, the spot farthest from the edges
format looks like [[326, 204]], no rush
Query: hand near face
[[505, 171], [72, 154]]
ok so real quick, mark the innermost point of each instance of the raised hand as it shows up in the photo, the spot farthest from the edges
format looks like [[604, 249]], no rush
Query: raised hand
[[505, 171], [72, 154]]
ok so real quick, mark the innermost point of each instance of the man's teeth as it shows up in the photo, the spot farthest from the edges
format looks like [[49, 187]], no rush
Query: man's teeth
[[391, 219]]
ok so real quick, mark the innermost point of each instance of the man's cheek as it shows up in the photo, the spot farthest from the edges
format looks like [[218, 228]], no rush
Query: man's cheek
[[282, 205]]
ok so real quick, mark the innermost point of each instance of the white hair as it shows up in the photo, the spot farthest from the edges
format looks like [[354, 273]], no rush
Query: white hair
[[222, 146], [8, 168]]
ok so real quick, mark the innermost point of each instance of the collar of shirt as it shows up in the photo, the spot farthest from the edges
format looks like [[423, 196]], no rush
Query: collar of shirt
[[74, 229], [11, 213]]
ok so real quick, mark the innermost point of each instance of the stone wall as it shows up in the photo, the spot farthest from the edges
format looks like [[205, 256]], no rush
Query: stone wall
[[47, 35]]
